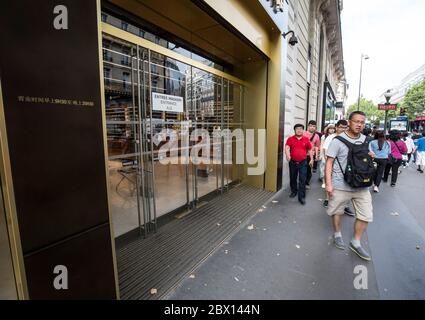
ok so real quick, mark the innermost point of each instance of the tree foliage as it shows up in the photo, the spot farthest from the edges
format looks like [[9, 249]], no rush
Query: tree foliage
[[414, 101]]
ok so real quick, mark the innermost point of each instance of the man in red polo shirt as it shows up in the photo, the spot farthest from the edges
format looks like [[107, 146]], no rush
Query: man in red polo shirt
[[297, 148]]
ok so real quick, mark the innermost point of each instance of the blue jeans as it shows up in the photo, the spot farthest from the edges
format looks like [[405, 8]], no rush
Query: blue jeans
[[298, 177]]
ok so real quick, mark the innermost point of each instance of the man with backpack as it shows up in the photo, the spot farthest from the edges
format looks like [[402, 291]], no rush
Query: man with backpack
[[349, 174]]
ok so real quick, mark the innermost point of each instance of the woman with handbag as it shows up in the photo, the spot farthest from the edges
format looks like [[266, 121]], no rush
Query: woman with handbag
[[382, 149], [398, 148]]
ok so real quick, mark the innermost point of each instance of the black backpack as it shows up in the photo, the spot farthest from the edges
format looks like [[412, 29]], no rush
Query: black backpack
[[360, 169]]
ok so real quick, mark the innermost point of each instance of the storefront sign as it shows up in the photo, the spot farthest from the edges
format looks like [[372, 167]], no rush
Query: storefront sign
[[422, 118], [385, 107], [167, 103]]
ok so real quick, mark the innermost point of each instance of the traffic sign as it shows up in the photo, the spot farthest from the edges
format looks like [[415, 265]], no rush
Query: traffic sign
[[386, 107]]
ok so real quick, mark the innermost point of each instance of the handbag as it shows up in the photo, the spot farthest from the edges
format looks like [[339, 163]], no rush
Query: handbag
[[391, 159]]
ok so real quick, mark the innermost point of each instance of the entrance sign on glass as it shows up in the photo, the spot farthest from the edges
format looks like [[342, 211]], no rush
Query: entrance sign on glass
[[165, 102]]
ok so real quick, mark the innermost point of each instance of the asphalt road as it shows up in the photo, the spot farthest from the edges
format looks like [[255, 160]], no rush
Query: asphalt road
[[289, 253]]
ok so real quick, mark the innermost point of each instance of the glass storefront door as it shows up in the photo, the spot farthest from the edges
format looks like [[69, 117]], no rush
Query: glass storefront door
[[153, 106], [122, 118]]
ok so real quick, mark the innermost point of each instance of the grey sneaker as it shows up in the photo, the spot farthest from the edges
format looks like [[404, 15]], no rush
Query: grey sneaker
[[362, 253], [339, 243]]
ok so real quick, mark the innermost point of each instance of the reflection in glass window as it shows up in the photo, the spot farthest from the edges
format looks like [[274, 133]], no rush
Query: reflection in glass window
[[158, 40]]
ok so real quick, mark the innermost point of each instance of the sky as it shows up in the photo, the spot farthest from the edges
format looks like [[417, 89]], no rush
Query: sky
[[391, 33]]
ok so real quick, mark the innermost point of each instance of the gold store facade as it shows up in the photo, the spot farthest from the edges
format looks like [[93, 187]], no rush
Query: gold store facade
[[222, 63]]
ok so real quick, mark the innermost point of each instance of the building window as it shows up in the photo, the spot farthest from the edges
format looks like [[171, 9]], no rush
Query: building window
[[104, 17], [125, 59], [125, 79], [124, 25], [141, 33]]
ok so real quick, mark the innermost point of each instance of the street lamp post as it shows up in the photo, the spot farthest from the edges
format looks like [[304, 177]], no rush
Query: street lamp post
[[364, 57], [388, 95]]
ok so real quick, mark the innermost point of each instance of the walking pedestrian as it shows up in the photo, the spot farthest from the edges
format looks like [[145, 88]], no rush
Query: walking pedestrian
[[398, 148], [330, 130], [296, 150], [341, 127], [415, 137], [410, 149], [368, 133], [342, 186], [420, 144], [382, 149], [312, 135], [374, 131]]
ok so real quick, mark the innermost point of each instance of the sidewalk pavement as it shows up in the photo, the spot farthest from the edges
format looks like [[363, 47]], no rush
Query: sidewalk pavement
[[290, 254]]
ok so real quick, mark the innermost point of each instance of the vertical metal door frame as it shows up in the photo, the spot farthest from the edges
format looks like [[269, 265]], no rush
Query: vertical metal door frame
[[186, 151], [195, 125], [215, 164], [136, 146], [228, 127], [222, 137], [141, 105], [152, 174]]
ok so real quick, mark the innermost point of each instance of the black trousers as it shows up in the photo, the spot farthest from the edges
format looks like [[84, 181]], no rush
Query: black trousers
[[315, 164], [382, 164], [298, 176], [394, 171], [309, 171]]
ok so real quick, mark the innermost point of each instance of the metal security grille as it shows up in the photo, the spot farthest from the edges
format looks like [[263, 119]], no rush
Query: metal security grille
[[164, 259]]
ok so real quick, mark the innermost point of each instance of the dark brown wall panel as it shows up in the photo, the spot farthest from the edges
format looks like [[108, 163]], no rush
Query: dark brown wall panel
[[56, 150], [52, 103], [88, 276]]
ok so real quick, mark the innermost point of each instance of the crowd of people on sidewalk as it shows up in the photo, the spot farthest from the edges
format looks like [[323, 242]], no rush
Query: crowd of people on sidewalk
[[352, 161]]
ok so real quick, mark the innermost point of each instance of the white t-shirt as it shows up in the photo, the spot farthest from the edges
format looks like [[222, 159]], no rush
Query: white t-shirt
[[410, 145], [328, 141]]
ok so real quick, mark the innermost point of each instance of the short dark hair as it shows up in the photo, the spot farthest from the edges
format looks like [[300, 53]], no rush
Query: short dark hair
[[395, 135], [312, 123], [360, 113], [342, 123], [379, 135], [299, 125], [367, 131]]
